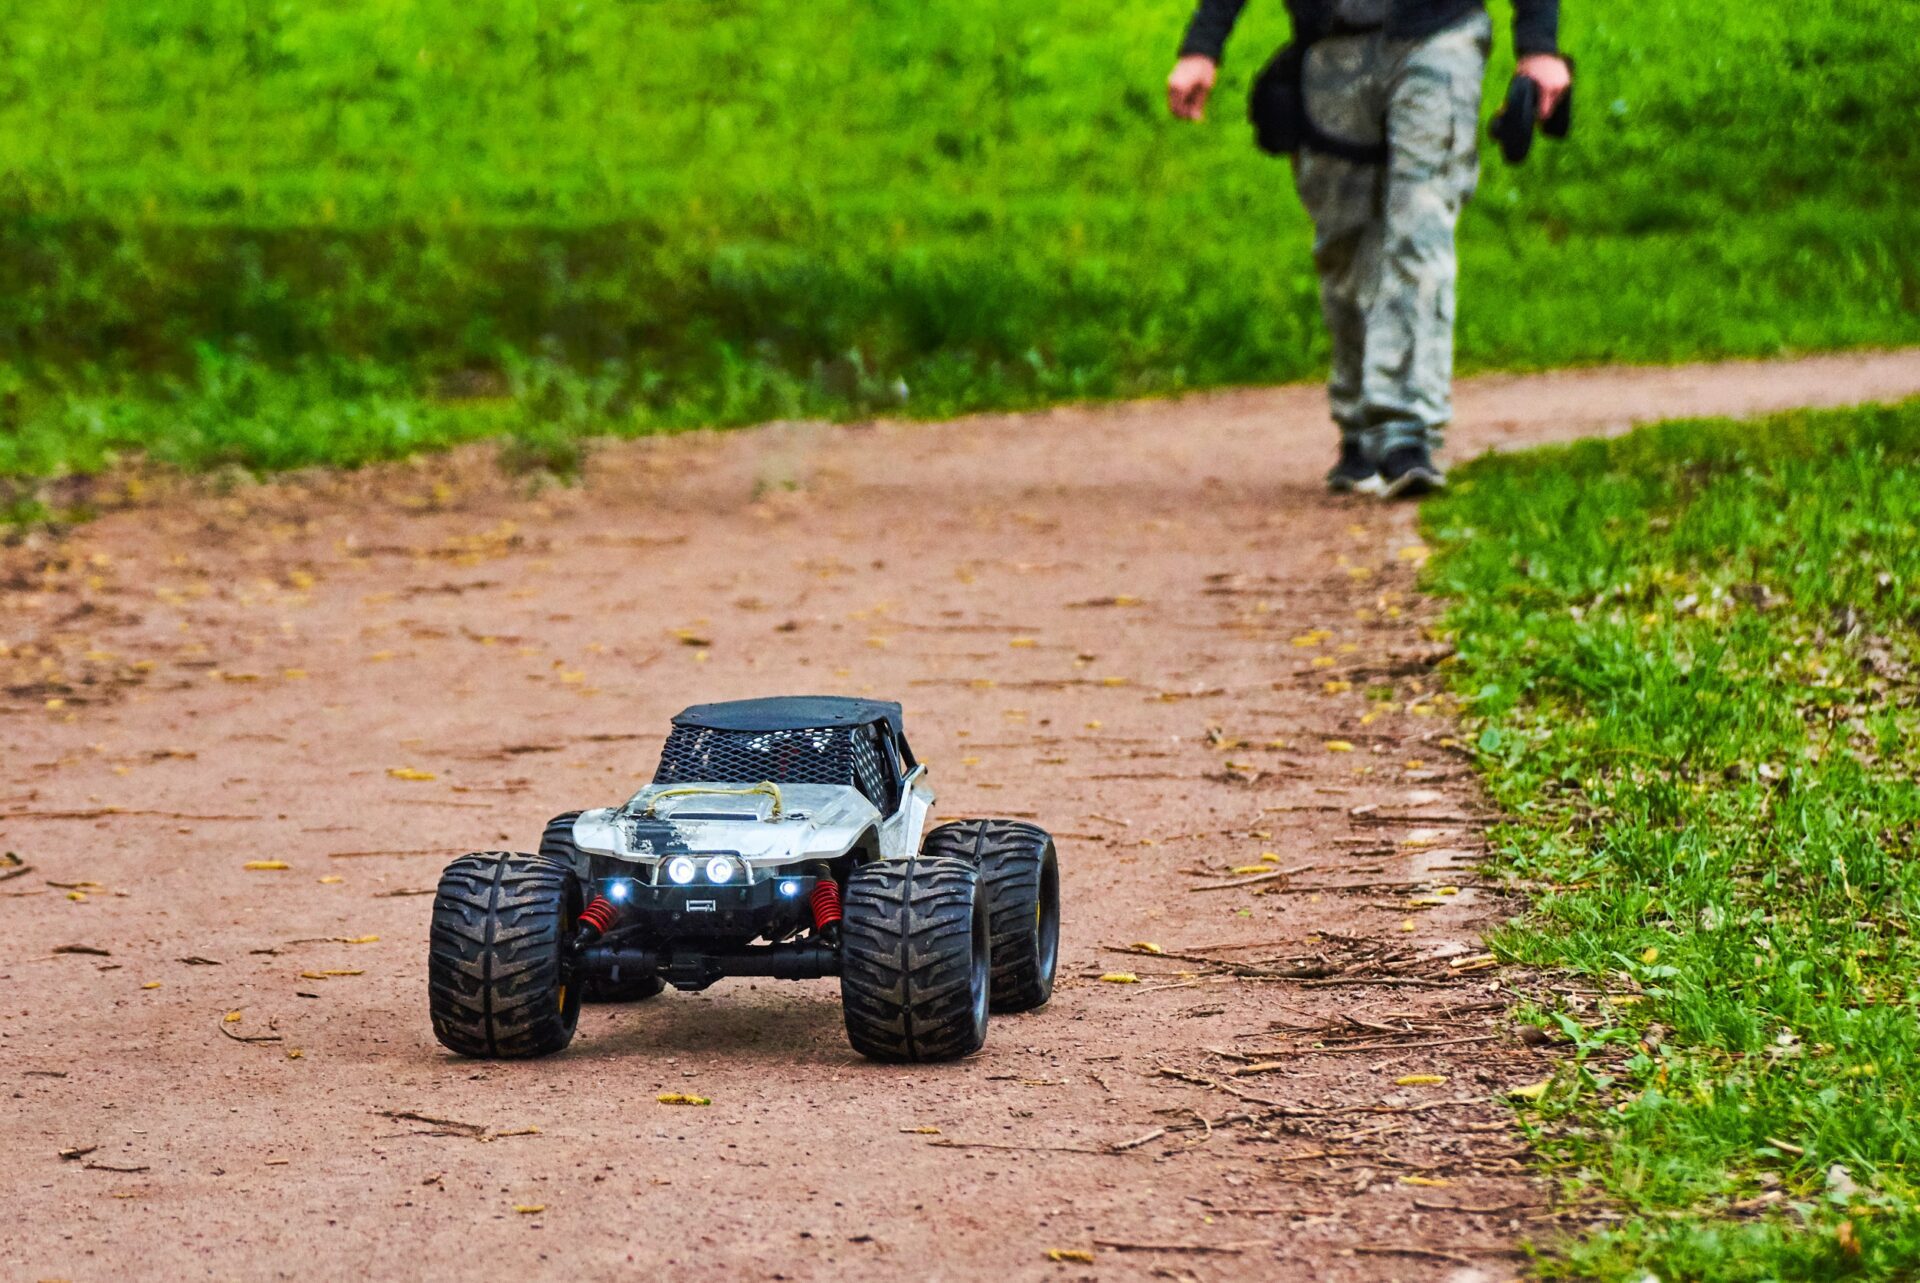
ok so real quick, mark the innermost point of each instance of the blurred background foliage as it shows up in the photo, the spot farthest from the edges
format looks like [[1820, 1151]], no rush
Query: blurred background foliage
[[269, 233]]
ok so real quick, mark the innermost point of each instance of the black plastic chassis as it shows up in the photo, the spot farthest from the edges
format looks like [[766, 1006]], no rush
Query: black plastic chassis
[[691, 936]]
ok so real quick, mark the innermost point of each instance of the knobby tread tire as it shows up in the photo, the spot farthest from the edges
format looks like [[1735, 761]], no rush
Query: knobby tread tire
[[912, 940], [1020, 878], [498, 980], [556, 843]]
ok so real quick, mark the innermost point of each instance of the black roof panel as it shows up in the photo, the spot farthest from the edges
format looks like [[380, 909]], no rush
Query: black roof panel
[[792, 713]]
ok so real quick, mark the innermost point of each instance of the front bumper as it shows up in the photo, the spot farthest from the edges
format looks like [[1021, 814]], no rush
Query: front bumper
[[773, 907]]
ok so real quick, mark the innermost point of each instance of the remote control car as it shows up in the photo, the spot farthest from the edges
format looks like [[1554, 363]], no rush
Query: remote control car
[[779, 837]]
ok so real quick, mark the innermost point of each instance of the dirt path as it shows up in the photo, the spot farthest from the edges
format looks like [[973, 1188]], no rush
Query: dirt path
[[1142, 625]]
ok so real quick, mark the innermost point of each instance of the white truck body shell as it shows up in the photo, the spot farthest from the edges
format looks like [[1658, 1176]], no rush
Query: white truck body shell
[[814, 822]]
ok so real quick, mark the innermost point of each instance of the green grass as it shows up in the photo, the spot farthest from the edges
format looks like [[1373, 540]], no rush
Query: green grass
[[1691, 653], [714, 211]]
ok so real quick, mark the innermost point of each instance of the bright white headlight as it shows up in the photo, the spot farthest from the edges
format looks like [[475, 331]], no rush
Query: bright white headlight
[[618, 892], [680, 869], [719, 869]]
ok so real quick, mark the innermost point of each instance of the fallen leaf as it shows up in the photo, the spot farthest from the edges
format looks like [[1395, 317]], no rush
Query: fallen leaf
[[358, 939], [262, 866], [1339, 746], [330, 879], [1419, 1080], [1147, 946], [682, 1098], [529, 1209], [1022, 643], [920, 1131], [294, 1053], [409, 773], [1121, 978], [1431, 1182], [151, 984], [1531, 1091], [1408, 925], [1078, 1255], [232, 1017]]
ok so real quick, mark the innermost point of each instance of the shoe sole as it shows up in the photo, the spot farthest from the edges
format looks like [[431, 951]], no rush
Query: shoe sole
[[1348, 485], [1412, 483]]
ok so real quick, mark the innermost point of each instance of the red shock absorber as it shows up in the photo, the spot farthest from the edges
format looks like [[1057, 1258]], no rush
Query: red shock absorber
[[826, 904], [600, 915]]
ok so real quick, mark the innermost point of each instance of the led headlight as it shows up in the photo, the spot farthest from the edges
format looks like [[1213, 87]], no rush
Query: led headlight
[[680, 869], [789, 887], [719, 869], [618, 891]]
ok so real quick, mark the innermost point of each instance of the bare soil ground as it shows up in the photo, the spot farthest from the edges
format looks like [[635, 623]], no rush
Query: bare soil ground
[[1143, 626]]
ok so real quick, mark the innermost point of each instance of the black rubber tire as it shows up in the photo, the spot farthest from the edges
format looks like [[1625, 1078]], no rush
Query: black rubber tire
[[499, 982], [1020, 873], [915, 973], [556, 843]]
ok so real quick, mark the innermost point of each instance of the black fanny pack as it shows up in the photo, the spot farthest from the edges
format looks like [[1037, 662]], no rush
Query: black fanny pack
[[1278, 110]]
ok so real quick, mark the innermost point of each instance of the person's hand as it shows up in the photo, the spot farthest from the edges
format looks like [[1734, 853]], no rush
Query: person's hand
[[1189, 85], [1551, 73]]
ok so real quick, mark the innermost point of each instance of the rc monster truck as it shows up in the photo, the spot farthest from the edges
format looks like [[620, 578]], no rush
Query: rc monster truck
[[779, 837]]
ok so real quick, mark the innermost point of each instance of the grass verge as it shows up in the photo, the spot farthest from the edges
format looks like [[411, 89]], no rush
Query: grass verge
[[1691, 653]]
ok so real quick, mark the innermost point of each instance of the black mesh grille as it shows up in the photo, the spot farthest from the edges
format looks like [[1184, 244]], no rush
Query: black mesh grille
[[868, 772], [698, 754]]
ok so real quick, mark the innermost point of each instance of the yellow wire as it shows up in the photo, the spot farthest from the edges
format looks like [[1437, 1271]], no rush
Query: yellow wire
[[765, 787]]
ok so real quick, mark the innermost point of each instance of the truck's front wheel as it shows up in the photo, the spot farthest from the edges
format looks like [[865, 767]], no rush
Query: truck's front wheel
[[500, 983], [915, 961]]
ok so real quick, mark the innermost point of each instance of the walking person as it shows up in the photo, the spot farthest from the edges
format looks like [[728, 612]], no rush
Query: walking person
[[1390, 91]]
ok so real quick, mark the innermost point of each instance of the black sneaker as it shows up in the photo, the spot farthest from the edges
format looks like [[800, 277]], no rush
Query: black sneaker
[[1410, 471], [1354, 471]]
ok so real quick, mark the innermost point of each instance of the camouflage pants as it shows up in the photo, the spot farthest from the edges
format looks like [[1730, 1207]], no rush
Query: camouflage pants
[[1383, 234]]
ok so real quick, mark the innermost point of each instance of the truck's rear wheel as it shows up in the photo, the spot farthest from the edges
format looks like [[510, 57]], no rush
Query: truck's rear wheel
[[915, 962], [1020, 877], [556, 843], [499, 979]]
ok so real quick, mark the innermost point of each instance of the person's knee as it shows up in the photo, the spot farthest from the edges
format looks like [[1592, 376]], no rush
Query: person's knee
[[1420, 224]]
